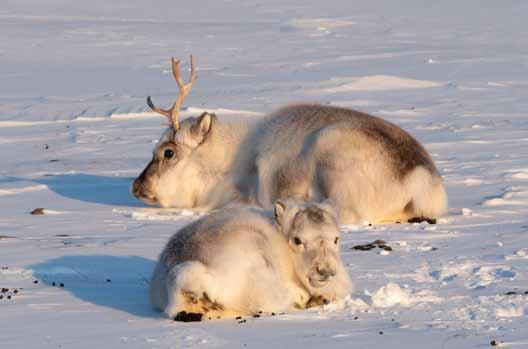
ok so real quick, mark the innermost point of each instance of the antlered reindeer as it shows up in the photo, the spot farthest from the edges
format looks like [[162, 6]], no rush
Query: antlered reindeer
[[370, 168]]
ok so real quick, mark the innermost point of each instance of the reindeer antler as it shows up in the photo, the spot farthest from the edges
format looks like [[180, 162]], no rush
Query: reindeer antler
[[173, 113]]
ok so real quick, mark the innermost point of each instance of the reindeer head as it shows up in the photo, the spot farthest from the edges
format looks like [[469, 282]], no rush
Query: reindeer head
[[173, 176], [313, 236]]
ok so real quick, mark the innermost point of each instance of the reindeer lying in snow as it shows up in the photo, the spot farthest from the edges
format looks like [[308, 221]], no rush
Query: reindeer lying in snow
[[240, 262], [370, 168]]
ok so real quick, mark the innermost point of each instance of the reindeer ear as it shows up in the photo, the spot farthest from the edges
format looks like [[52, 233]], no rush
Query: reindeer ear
[[279, 210], [284, 212], [202, 127]]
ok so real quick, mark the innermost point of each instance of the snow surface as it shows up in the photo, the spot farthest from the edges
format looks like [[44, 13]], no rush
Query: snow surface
[[75, 130]]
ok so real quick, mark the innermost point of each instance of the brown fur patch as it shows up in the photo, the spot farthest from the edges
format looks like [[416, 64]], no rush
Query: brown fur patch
[[208, 304], [405, 152], [315, 301]]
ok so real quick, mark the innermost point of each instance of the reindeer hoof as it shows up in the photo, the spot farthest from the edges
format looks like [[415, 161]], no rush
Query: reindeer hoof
[[422, 219], [184, 316]]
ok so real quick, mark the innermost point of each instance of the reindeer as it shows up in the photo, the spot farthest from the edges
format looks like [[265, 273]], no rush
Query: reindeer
[[370, 168], [241, 261]]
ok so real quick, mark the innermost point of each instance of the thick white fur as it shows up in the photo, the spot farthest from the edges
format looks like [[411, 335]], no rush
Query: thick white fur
[[308, 152], [240, 262]]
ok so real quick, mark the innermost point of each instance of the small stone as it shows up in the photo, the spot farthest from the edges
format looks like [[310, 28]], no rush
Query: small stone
[[35, 282], [385, 247], [61, 284], [4, 290], [108, 280], [511, 293], [15, 291], [242, 321], [8, 297], [238, 318], [1, 296], [356, 317], [273, 314], [53, 283], [37, 211], [494, 343], [367, 247], [256, 315], [379, 242], [380, 332]]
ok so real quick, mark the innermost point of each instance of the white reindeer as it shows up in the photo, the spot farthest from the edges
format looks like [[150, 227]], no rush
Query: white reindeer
[[241, 262], [372, 169]]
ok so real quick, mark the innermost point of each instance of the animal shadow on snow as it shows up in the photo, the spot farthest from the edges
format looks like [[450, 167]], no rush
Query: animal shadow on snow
[[105, 190], [118, 282]]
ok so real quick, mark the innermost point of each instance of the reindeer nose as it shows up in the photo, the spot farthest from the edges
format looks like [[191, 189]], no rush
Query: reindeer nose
[[136, 187], [326, 272], [139, 189]]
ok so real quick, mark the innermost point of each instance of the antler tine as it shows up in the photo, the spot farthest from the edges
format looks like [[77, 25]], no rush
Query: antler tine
[[184, 89], [165, 112], [173, 113]]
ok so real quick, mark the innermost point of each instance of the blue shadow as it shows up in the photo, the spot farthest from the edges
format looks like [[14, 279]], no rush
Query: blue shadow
[[104, 190], [118, 282]]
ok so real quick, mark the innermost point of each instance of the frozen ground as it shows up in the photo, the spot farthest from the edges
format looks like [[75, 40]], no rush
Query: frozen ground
[[73, 133]]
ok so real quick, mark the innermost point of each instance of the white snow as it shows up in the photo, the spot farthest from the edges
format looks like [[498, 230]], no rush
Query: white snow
[[75, 130], [375, 83]]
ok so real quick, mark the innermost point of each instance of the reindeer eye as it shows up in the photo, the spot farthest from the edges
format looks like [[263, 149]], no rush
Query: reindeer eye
[[336, 240], [297, 241], [168, 154]]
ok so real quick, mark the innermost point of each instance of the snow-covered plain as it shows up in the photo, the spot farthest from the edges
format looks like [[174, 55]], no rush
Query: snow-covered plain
[[74, 131]]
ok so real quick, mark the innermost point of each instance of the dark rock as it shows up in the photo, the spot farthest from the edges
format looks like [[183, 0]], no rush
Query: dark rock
[[367, 247], [184, 316], [242, 321], [379, 242], [238, 318], [37, 211], [422, 219], [494, 343], [61, 284], [256, 315]]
